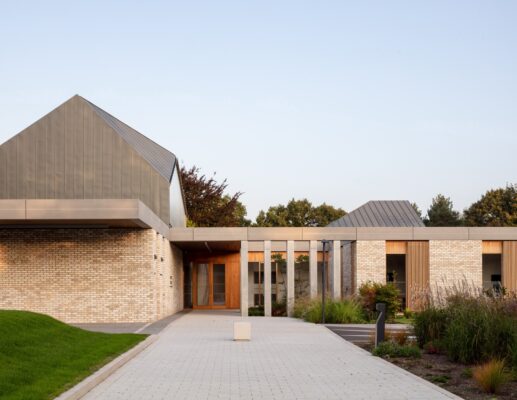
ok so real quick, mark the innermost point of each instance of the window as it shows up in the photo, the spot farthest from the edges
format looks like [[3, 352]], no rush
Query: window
[[256, 277], [259, 299]]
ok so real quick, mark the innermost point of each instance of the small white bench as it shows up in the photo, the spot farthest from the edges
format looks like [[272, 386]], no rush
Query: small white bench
[[242, 330]]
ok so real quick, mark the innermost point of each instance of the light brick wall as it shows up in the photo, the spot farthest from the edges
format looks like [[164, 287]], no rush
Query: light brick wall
[[370, 258], [90, 275], [455, 261]]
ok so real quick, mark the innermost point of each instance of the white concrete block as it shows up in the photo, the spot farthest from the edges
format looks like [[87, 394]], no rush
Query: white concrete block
[[242, 330]]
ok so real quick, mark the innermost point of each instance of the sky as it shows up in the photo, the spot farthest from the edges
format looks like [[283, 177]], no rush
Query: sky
[[334, 101]]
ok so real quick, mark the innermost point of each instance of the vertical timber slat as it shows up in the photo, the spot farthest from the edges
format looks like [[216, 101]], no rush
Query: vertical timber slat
[[509, 263], [417, 271]]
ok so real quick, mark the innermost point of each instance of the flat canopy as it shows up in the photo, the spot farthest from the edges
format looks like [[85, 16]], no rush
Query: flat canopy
[[85, 213], [340, 233], [134, 213]]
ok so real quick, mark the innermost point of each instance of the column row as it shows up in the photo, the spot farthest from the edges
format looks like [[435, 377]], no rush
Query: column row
[[264, 274]]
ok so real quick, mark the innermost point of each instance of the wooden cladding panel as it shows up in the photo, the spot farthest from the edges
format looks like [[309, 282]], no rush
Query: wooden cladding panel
[[492, 247], [395, 247], [417, 271], [232, 277], [509, 272], [71, 153]]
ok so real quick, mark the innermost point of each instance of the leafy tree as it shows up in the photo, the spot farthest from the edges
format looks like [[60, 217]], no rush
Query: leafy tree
[[299, 213], [497, 207], [441, 213], [417, 210], [208, 204]]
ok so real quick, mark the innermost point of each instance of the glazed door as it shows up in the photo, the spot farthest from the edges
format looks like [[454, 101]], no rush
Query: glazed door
[[209, 284]]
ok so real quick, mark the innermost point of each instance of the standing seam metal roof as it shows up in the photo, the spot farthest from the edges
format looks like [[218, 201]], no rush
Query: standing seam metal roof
[[161, 159], [381, 213]]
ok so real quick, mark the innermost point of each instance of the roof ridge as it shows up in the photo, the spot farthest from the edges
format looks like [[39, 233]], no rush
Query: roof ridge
[[148, 149], [122, 122]]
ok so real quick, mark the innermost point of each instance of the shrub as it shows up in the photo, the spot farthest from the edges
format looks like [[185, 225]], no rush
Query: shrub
[[344, 312], [408, 314], [434, 347], [440, 378], [490, 376], [429, 325], [336, 311], [470, 326], [467, 373], [371, 293], [256, 311], [399, 336], [392, 349], [279, 309]]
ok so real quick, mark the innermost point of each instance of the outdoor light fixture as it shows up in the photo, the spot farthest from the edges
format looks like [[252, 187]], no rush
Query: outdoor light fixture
[[323, 282]]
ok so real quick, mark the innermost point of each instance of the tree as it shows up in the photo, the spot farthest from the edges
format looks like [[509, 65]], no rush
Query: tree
[[441, 213], [417, 210], [299, 213], [497, 207], [208, 204]]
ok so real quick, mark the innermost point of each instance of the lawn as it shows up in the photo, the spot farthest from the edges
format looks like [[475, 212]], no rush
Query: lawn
[[41, 357]]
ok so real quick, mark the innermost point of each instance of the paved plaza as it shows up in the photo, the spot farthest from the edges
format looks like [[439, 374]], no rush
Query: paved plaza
[[196, 358]]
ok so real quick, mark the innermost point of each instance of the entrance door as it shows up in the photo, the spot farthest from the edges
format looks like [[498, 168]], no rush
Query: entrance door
[[209, 281]]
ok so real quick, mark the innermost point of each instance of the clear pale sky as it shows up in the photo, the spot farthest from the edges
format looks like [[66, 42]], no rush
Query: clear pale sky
[[339, 102]]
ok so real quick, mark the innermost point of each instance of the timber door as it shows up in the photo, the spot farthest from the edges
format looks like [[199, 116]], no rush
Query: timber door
[[213, 283]]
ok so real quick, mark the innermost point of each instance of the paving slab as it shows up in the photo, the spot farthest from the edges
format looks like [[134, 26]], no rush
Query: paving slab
[[133, 327], [196, 358]]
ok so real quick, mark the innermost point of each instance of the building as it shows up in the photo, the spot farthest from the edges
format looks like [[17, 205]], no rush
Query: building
[[92, 229]]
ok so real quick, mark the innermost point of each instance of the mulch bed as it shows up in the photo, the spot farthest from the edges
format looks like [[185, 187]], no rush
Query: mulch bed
[[453, 377]]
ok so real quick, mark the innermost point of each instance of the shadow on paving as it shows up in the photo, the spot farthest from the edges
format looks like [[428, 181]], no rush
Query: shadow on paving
[[137, 327], [360, 334]]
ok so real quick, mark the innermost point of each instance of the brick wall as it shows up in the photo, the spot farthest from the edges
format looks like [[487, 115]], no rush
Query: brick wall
[[370, 261], [90, 275], [455, 261]]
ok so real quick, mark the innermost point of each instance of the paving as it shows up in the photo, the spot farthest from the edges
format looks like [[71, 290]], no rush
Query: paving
[[136, 327], [196, 358]]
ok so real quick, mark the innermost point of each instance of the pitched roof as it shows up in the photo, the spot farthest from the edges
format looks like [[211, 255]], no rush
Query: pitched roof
[[161, 159], [381, 213]]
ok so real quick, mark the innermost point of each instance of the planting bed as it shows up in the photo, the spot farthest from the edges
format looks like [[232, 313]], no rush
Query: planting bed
[[453, 377]]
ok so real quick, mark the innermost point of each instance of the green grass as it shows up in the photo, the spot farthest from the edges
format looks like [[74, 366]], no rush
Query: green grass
[[41, 357], [391, 349], [403, 320]]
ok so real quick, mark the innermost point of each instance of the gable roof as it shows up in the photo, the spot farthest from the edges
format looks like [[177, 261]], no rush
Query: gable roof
[[161, 159], [381, 213]]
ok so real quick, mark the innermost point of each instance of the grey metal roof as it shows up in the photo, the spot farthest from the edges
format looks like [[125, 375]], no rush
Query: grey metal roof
[[161, 159], [381, 213]]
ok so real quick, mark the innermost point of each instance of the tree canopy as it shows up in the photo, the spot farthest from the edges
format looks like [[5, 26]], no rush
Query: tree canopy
[[299, 213], [441, 213], [207, 203], [497, 207]]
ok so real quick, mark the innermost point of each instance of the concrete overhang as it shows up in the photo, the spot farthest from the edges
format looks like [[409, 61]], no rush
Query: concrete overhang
[[130, 213], [339, 233]]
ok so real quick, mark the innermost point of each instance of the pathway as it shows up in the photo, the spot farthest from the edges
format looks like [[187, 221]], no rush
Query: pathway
[[195, 358]]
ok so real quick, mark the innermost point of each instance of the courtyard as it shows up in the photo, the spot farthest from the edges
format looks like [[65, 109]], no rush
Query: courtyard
[[196, 358]]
